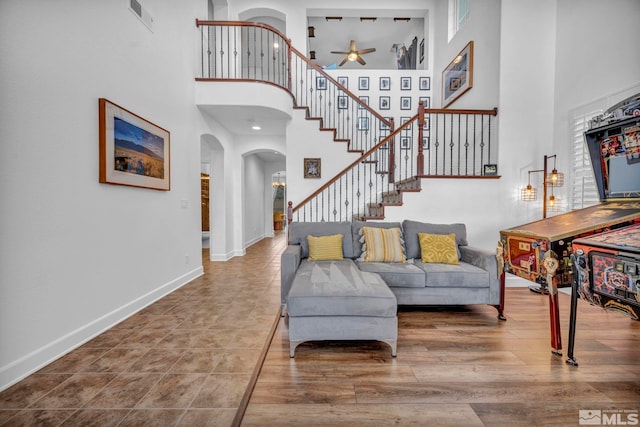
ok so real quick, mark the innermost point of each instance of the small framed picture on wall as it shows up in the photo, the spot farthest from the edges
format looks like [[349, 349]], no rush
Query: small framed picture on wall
[[363, 83], [425, 83], [312, 168], [365, 101], [321, 83], [385, 102]]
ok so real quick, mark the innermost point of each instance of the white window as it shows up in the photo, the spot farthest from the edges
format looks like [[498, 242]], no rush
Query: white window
[[583, 187], [583, 190], [458, 15]]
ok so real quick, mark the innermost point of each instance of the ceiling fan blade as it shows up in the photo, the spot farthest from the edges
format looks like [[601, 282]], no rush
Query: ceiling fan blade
[[352, 46], [360, 60], [341, 53], [368, 50], [343, 61]]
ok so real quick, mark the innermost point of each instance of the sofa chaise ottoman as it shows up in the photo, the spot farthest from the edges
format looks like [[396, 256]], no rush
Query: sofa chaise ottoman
[[335, 300]]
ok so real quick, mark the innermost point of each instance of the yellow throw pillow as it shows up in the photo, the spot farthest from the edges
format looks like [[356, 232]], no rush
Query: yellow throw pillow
[[382, 245], [325, 248], [439, 248]]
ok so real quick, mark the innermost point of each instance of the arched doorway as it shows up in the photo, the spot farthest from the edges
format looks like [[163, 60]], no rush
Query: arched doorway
[[212, 187]]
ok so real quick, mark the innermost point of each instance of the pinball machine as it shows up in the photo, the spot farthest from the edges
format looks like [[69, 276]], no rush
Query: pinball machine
[[541, 251], [606, 273]]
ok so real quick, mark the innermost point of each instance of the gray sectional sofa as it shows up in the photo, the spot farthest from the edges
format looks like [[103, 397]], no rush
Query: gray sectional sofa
[[351, 299]]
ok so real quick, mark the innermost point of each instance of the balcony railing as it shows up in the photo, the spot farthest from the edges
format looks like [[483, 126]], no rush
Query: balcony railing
[[248, 51], [435, 143]]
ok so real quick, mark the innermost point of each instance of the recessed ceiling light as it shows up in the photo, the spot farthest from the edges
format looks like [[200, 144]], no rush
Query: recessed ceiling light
[[256, 127]]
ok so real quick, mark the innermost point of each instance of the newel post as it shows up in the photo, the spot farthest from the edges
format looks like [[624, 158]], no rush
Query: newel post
[[420, 158], [392, 155], [289, 212]]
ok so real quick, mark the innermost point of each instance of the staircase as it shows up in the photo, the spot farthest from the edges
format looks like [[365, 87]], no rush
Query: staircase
[[434, 143]]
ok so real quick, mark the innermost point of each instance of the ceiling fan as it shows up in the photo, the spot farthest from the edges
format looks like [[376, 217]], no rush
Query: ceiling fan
[[354, 54]]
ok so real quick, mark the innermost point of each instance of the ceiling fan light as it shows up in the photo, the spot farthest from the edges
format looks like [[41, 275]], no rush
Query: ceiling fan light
[[352, 56]]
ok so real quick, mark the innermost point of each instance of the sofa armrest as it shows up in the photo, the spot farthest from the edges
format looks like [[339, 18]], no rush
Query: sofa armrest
[[289, 263], [485, 260]]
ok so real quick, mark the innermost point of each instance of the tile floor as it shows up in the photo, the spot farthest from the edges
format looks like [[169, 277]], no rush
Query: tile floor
[[185, 360]]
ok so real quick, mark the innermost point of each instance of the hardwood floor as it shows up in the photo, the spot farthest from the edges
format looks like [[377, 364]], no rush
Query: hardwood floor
[[188, 359], [456, 367]]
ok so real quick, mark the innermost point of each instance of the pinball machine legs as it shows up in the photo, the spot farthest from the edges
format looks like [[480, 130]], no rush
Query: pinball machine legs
[[551, 264], [501, 275]]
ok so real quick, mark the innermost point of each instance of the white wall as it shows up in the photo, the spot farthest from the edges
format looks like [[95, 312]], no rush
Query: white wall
[[254, 196], [77, 256], [597, 55]]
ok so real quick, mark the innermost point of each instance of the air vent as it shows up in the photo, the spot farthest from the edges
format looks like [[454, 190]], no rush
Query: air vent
[[136, 8]]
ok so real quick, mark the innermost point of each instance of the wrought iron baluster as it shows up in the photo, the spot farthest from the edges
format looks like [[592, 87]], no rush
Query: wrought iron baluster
[[482, 144], [489, 143]]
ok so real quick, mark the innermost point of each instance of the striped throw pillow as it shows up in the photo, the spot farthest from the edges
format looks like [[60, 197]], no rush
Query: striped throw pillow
[[382, 245], [438, 248], [325, 248]]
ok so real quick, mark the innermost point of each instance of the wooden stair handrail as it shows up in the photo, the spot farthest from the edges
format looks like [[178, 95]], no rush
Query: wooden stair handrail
[[355, 162]]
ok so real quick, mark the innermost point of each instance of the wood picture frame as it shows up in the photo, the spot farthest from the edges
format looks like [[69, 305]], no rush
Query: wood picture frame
[[132, 150], [457, 77], [312, 167]]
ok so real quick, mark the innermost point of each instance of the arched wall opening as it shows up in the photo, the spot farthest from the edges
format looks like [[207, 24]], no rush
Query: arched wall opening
[[260, 168], [267, 16], [212, 163]]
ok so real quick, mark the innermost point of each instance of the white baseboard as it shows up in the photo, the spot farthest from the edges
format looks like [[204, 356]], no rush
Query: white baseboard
[[37, 359]]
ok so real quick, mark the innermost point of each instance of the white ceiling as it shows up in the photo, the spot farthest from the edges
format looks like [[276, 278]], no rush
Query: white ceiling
[[381, 34], [239, 119]]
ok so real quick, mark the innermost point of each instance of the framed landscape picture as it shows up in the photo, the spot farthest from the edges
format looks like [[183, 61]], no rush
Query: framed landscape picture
[[133, 151], [457, 77]]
